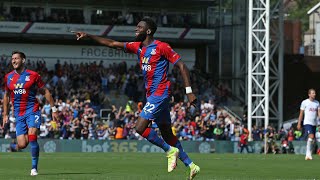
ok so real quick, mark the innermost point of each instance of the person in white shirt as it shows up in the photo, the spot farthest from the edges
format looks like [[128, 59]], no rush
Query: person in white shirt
[[309, 111]]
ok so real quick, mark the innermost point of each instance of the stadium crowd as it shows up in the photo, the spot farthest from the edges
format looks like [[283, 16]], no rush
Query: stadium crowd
[[81, 90]]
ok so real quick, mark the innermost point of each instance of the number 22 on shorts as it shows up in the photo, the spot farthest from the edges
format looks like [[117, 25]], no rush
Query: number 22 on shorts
[[148, 107], [36, 118]]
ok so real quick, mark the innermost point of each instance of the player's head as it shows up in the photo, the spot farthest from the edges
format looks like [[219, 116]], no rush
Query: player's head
[[146, 27], [18, 59], [312, 93]]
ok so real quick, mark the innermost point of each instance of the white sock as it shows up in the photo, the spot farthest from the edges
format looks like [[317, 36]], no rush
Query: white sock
[[309, 147], [169, 149], [190, 164]]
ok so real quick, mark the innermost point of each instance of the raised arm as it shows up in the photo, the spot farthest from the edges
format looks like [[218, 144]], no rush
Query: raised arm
[[104, 41], [186, 80]]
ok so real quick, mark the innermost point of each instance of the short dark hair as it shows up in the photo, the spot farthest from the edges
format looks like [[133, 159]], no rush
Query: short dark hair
[[151, 25], [22, 55], [311, 89]]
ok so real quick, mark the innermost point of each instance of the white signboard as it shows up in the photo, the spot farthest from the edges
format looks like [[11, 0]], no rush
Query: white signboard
[[103, 30], [129, 31], [174, 33], [206, 34], [55, 28], [77, 54], [123, 31], [12, 27]]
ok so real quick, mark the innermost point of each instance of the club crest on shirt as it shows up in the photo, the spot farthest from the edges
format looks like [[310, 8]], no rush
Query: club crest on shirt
[[27, 78], [153, 52]]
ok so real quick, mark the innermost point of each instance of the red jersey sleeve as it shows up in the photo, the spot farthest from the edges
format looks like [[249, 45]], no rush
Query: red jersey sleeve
[[39, 81], [131, 47], [169, 53], [5, 83]]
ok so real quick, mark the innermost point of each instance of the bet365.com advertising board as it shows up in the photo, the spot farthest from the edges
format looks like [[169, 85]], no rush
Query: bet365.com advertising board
[[93, 146]]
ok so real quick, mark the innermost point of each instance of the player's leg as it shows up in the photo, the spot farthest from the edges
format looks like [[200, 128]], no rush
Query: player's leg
[[22, 141], [171, 139], [310, 130], [166, 132], [34, 121], [34, 146], [151, 135], [22, 133]]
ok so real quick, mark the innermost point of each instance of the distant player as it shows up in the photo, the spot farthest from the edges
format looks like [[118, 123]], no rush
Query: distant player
[[154, 57], [21, 87], [309, 111]]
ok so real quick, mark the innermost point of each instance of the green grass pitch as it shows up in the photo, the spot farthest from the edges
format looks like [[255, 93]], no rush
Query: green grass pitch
[[153, 166]]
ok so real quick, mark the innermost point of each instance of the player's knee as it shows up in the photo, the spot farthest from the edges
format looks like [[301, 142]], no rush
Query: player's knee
[[139, 130], [141, 125], [22, 145]]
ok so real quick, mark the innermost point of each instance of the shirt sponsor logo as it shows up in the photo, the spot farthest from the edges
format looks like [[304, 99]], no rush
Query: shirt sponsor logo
[[18, 85], [313, 109], [145, 64], [18, 89]]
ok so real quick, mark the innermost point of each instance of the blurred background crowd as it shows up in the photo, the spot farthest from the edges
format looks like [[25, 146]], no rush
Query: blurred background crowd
[[82, 90]]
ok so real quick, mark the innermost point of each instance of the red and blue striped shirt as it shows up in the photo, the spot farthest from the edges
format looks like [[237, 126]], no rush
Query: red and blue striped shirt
[[154, 63], [23, 90]]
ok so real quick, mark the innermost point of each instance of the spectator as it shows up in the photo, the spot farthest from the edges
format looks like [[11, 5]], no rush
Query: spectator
[[43, 130], [256, 134], [101, 132], [243, 143], [77, 90]]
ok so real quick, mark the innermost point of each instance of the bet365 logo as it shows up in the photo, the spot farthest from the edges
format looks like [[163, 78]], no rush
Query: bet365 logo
[[145, 64], [18, 89]]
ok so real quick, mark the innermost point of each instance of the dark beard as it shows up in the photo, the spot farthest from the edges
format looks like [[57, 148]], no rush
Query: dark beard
[[141, 37]]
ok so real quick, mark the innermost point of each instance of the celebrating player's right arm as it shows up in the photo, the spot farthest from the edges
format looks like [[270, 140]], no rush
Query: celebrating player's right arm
[[5, 107], [104, 41]]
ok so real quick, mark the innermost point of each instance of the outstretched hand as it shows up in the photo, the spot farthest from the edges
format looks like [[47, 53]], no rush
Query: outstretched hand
[[79, 34]]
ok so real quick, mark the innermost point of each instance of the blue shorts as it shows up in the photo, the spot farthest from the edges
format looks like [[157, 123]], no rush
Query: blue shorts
[[309, 129], [32, 120], [156, 109]]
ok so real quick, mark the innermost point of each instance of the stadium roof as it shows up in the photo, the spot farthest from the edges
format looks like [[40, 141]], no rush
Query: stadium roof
[[314, 8]]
